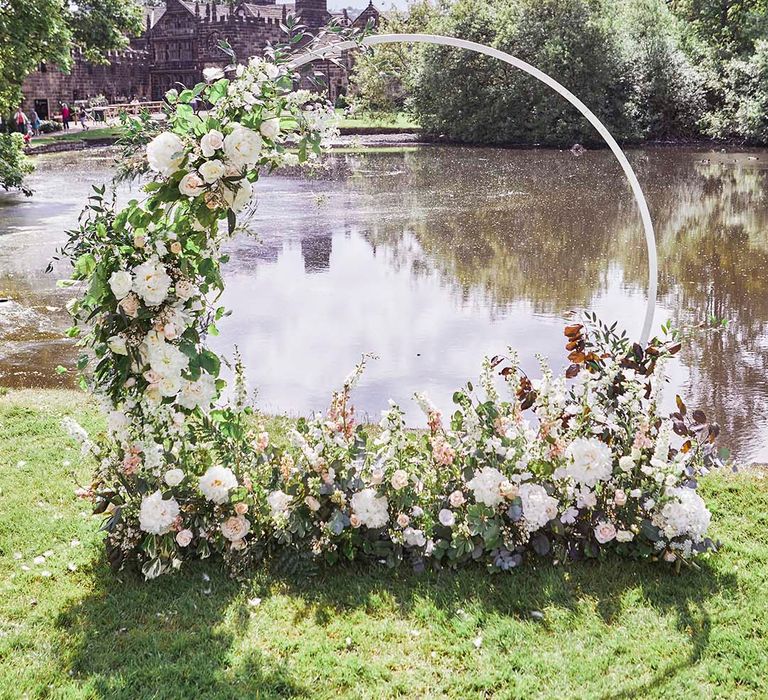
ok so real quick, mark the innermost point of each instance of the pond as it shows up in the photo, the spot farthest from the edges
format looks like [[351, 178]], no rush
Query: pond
[[433, 257]]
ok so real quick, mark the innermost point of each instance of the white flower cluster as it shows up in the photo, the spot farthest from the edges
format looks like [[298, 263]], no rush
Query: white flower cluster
[[684, 515], [486, 486], [370, 508]]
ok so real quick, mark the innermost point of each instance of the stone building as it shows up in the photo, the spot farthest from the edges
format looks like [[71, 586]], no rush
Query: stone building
[[180, 40]]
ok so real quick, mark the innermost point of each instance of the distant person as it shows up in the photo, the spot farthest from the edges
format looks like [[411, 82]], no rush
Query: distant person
[[65, 115], [34, 120], [21, 121], [82, 116]]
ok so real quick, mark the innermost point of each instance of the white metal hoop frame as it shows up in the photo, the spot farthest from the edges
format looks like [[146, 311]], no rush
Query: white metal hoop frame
[[645, 215]]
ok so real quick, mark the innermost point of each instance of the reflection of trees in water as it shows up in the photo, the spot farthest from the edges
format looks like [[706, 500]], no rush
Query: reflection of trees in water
[[542, 226], [712, 234], [514, 226]]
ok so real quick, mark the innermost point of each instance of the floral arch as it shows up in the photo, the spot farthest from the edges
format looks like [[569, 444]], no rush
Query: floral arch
[[562, 467]]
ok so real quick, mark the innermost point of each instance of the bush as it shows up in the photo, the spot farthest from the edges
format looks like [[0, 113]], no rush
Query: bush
[[49, 127], [744, 111], [474, 98], [667, 97], [14, 165]]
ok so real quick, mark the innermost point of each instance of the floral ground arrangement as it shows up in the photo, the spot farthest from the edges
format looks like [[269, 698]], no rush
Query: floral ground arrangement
[[559, 467], [599, 628]]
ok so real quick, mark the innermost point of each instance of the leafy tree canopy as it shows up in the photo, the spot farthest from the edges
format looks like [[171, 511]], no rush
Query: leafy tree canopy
[[48, 30]]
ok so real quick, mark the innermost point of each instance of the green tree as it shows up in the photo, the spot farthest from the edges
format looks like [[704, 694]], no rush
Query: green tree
[[469, 97], [48, 30], [382, 77]]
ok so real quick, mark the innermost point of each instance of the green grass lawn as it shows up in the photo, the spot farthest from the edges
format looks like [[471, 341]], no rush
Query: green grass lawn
[[617, 630], [75, 133], [395, 122]]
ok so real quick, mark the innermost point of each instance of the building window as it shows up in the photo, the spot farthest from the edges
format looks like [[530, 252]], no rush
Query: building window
[[43, 67]]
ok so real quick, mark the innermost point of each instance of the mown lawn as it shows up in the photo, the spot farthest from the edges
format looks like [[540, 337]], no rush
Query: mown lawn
[[75, 133], [71, 629]]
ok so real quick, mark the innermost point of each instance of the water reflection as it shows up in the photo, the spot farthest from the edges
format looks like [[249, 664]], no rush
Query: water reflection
[[435, 257]]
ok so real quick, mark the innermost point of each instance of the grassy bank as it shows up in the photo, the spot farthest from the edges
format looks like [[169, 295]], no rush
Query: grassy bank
[[71, 629]]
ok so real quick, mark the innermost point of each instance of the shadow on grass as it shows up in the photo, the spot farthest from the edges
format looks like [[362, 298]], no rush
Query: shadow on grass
[[175, 637], [167, 638], [516, 595]]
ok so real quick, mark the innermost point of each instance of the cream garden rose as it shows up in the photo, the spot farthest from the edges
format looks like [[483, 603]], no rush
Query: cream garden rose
[[165, 153], [242, 146], [216, 484], [157, 515], [191, 185], [121, 283]]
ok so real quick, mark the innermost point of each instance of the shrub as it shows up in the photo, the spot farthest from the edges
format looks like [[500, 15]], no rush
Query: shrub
[[14, 165]]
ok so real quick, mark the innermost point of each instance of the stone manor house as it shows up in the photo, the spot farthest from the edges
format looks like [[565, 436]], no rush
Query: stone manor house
[[180, 40]]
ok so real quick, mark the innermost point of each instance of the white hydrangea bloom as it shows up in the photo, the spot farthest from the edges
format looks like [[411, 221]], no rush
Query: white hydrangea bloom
[[686, 515], [279, 503]]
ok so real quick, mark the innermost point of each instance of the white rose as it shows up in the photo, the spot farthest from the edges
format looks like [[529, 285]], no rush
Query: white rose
[[117, 345], [211, 142], [184, 289], [235, 528], [270, 128], [271, 70], [165, 153], [242, 147], [626, 463], [183, 537], [399, 479], [624, 536], [211, 170], [216, 484], [604, 532], [446, 517], [157, 515], [312, 503], [120, 282], [198, 393], [279, 502], [173, 477], [212, 73], [191, 185], [151, 282]]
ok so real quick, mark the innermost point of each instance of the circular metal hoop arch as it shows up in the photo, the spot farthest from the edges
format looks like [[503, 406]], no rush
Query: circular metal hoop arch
[[645, 215]]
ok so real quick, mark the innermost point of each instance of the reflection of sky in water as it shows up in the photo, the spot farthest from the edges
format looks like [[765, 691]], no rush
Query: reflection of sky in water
[[433, 259]]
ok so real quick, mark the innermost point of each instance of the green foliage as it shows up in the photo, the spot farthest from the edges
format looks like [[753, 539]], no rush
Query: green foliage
[[47, 30], [649, 69], [14, 165], [382, 76], [474, 98], [743, 113]]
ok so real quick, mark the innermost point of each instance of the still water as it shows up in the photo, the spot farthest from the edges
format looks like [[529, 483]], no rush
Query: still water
[[434, 257]]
